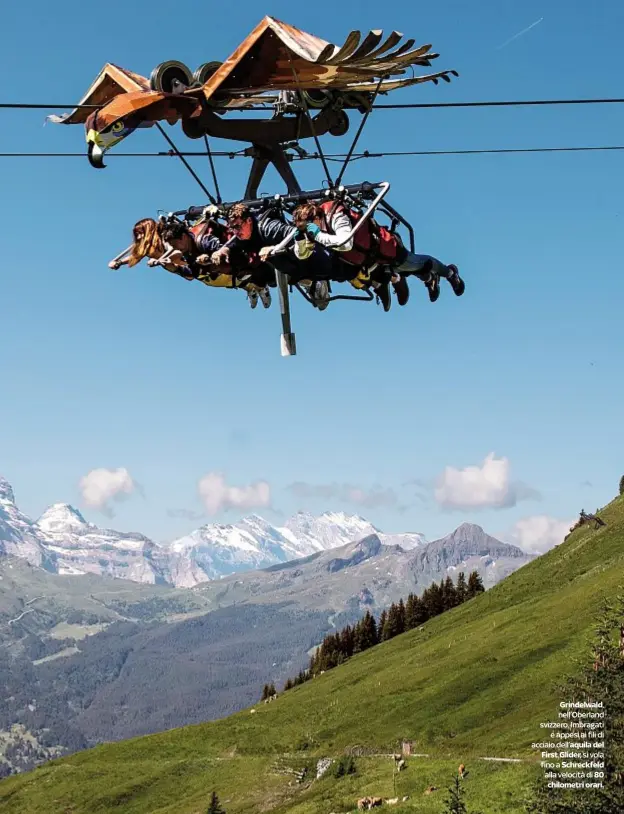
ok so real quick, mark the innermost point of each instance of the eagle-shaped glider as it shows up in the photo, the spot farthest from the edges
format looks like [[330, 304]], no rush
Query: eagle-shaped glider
[[272, 61]]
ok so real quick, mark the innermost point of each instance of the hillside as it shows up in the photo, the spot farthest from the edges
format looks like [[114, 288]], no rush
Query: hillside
[[92, 659], [472, 683]]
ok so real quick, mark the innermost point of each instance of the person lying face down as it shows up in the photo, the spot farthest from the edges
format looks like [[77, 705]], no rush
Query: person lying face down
[[197, 247], [330, 226], [149, 242], [259, 237], [333, 232]]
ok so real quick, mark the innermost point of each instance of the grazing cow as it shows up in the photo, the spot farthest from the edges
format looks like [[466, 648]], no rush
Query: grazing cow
[[431, 789], [366, 803], [392, 801], [461, 770]]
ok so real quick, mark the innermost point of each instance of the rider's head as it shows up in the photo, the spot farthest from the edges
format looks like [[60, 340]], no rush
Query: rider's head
[[177, 235], [306, 213], [147, 241], [240, 221]]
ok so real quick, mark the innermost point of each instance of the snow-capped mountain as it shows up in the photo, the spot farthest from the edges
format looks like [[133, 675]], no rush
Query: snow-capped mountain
[[19, 537], [64, 542], [214, 551], [83, 548]]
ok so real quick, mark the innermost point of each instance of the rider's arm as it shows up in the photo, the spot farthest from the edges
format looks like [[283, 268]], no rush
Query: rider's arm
[[273, 231], [341, 226], [207, 244]]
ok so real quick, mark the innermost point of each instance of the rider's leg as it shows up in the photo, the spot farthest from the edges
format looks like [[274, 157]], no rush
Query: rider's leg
[[424, 266]]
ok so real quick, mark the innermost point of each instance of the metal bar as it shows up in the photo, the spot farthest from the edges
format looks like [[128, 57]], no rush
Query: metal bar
[[368, 298], [280, 162], [357, 135], [311, 123], [307, 297], [214, 171], [256, 174], [385, 186], [379, 197], [185, 162], [288, 342], [261, 203], [122, 254], [390, 210]]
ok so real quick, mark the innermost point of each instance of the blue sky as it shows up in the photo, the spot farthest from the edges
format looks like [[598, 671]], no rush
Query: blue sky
[[171, 381]]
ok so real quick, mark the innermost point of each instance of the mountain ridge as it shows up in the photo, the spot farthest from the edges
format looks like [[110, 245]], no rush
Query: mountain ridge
[[64, 542]]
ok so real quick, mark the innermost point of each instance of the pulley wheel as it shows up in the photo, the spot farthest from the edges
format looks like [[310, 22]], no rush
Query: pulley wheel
[[341, 124], [164, 75], [205, 71]]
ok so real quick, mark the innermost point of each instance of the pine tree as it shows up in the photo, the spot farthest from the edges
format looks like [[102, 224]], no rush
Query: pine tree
[[392, 624], [449, 594], [455, 801], [415, 613], [601, 678], [350, 767], [432, 597], [272, 690], [462, 589], [371, 629], [622, 485], [357, 637], [347, 642], [215, 805], [401, 616], [288, 685], [409, 612], [265, 692], [382, 626], [475, 585]]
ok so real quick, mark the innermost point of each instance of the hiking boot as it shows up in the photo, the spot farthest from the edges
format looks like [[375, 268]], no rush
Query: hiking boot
[[401, 289], [265, 296], [253, 297], [455, 281], [433, 286], [383, 295], [320, 294]]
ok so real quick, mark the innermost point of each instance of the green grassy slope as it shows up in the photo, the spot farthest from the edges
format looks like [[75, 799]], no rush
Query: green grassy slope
[[475, 682]]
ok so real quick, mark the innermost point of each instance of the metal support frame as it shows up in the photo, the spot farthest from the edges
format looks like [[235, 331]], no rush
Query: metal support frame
[[265, 155]]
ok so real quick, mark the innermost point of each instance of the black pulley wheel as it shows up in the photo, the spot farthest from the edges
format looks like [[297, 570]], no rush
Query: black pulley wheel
[[317, 99], [164, 76], [205, 71], [341, 125]]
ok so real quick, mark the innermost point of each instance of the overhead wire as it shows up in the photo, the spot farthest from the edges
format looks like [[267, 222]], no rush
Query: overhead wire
[[334, 156], [398, 106]]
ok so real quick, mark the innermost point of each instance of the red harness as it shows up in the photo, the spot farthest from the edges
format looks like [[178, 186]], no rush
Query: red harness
[[372, 243]]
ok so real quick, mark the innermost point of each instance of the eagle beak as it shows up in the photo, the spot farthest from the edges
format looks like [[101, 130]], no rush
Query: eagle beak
[[96, 156]]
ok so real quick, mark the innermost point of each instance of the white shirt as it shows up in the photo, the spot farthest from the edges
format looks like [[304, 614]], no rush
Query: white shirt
[[341, 227]]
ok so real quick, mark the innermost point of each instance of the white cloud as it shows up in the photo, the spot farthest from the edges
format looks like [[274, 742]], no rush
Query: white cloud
[[487, 486], [218, 496], [369, 497], [540, 533], [99, 486]]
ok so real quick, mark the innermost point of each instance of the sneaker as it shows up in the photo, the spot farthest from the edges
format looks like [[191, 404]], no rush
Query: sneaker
[[252, 294], [383, 295], [433, 286], [401, 289], [320, 294], [456, 282], [265, 296]]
